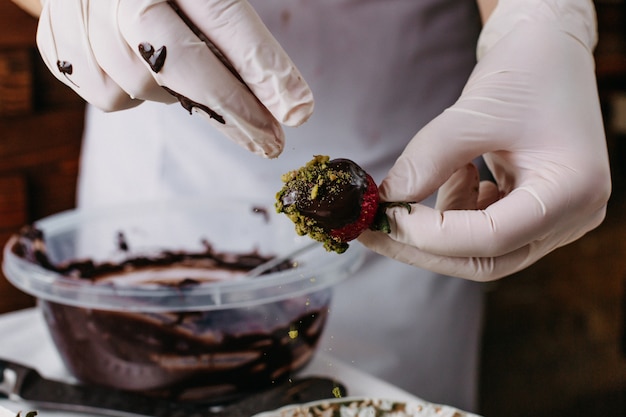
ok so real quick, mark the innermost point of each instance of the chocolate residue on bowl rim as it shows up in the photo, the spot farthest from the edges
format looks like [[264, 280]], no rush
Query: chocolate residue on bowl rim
[[30, 245]]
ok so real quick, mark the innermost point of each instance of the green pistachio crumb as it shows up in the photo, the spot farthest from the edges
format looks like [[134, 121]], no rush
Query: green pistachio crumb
[[307, 181]]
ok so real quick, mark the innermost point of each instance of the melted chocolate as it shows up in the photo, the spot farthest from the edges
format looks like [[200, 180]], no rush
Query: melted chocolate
[[212, 47], [337, 204], [31, 246], [189, 104], [210, 356], [65, 67], [122, 244], [263, 212], [186, 102], [154, 57]]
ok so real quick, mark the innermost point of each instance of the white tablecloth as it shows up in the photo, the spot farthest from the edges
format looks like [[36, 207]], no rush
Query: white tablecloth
[[25, 339]]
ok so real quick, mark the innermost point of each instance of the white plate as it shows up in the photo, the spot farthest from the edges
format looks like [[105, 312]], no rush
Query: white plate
[[365, 407]]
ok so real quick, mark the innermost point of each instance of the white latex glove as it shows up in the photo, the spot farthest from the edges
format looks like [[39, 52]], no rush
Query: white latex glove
[[109, 52], [531, 108]]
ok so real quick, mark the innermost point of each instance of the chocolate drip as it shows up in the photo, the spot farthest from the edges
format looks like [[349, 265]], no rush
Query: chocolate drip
[[65, 67], [263, 212], [154, 57], [122, 244], [189, 104]]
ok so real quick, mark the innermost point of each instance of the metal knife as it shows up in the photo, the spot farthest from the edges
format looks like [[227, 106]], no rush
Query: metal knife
[[25, 384]]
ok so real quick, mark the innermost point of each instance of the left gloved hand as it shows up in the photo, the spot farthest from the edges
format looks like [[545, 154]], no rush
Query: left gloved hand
[[215, 57], [531, 109]]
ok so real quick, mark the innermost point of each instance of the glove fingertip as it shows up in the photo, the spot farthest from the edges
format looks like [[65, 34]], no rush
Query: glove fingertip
[[298, 114], [267, 141]]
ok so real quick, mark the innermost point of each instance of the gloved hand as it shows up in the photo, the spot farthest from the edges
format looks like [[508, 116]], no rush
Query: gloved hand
[[531, 108], [117, 53]]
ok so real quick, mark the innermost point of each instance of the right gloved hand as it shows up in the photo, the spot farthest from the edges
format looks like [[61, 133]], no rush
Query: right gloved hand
[[118, 53], [531, 109]]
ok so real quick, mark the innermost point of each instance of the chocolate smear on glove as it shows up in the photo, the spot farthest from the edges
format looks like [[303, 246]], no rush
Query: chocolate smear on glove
[[212, 47], [66, 69], [188, 104], [154, 57]]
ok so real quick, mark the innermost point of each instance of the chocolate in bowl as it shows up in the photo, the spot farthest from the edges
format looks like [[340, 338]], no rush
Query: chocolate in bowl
[[204, 355], [178, 329]]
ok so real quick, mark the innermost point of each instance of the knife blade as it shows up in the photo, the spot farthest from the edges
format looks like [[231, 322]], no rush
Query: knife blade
[[25, 384]]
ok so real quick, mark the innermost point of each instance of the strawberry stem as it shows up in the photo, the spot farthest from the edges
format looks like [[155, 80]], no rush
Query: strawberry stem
[[381, 221]]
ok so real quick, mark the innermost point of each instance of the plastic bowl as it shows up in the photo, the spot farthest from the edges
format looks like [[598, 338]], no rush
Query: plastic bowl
[[171, 331]]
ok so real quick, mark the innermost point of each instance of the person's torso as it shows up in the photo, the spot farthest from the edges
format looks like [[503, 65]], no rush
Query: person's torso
[[379, 71]]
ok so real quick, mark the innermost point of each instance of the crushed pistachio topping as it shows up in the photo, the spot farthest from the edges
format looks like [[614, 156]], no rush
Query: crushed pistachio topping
[[309, 181]]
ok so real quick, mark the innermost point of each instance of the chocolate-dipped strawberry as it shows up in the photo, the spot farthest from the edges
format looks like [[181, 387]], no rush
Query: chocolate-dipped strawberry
[[332, 201]]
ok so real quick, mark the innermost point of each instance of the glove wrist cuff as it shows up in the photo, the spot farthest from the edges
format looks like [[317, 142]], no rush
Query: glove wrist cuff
[[575, 17]]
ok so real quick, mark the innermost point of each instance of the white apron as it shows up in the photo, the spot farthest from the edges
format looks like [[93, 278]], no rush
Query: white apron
[[379, 70]]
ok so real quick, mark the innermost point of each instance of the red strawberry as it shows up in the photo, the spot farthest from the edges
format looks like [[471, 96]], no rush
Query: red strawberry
[[332, 201], [368, 209]]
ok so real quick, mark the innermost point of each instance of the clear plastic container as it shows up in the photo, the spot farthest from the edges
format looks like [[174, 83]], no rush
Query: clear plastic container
[[221, 336]]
